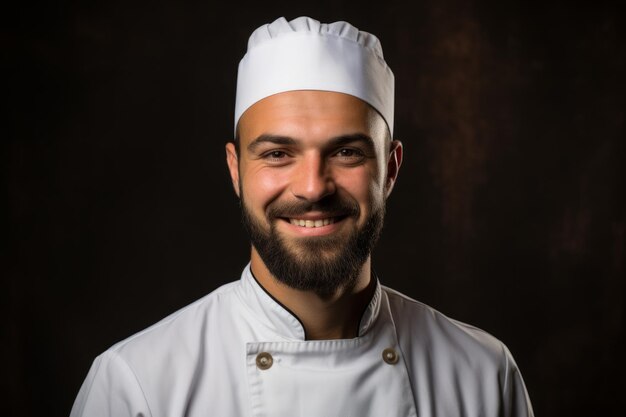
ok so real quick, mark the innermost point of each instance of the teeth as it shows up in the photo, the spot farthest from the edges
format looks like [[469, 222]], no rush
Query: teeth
[[312, 223]]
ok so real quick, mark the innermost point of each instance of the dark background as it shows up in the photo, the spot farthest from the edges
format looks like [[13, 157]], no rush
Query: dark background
[[508, 213]]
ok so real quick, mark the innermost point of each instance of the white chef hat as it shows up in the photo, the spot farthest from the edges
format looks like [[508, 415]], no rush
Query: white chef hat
[[304, 54]]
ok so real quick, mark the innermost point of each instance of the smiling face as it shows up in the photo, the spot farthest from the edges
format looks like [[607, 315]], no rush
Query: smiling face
[[313, 172]]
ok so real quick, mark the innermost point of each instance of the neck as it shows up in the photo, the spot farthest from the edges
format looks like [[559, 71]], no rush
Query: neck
[[333, 317]]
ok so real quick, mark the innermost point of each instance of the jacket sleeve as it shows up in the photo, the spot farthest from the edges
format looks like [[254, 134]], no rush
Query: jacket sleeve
[[111, 389], [515, 400]]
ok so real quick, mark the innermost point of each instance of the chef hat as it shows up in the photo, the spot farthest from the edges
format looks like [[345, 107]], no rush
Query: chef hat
[[304, 54]]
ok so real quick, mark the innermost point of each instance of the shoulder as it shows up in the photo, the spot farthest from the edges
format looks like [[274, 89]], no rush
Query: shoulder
[[459, 364], [424, 330], [180, 333], [134, 376]]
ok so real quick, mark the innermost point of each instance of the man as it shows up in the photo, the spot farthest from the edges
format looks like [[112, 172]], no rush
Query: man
[[308, 331]]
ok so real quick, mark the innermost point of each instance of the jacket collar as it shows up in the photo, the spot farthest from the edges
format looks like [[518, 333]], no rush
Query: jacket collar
[[284, 322]]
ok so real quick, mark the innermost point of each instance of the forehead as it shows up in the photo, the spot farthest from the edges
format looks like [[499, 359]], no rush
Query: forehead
[[309, 114]]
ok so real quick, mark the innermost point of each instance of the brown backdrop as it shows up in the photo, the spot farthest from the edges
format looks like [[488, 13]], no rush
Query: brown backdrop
[[508, 214]]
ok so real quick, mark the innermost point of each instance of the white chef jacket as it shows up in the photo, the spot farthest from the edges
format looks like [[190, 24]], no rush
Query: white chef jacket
[[238, 352]]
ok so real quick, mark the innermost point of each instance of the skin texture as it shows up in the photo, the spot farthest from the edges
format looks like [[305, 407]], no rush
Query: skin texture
[[301, 149]]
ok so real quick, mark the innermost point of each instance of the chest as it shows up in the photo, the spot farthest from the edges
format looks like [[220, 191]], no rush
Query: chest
[[361, 377], [249, 373]]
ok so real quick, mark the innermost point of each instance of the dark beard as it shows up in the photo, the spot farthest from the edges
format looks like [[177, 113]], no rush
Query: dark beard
[[321, 264]]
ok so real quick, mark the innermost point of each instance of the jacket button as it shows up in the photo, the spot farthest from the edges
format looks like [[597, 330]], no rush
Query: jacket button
[[264, 361], [390, 356]]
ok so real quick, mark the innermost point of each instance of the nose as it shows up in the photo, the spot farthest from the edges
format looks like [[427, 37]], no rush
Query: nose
[[312, 181]]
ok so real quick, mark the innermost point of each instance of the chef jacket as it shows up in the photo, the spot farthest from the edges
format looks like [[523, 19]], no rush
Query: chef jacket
[[238, 352]]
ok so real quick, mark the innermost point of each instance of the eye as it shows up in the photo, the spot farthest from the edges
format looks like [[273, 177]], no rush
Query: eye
[[346, 152], [350, 153], [275, 155]]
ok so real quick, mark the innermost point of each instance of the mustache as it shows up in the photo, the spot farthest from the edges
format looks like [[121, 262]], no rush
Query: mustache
[[334, 206]]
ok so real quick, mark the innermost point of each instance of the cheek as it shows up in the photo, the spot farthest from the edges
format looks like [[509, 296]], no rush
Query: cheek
[[362, 185], [261, 187]]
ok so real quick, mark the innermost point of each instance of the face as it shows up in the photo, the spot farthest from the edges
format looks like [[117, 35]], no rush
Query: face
[[313, 172]]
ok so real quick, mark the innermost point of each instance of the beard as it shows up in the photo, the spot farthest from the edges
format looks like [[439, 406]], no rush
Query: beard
[[321, 264]]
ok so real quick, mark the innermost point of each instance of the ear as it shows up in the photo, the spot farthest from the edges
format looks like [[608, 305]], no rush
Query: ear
[[233, 165], [393, 165]]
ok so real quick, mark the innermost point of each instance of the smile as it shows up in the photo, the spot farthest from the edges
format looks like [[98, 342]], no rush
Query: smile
[[312, 223]]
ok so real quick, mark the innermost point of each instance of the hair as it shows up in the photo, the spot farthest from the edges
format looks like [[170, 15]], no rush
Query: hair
[[236, 140]]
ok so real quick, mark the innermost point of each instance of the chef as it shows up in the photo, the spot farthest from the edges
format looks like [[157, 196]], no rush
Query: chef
[[308, 330]]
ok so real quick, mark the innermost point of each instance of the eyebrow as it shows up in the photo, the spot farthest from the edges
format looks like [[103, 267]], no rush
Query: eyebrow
[[355, 137], [273, 139], [289, 141]]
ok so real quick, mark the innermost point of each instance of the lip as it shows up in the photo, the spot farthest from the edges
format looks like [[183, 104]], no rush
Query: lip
[[312, 231], [314, 215]]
